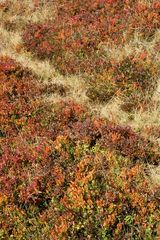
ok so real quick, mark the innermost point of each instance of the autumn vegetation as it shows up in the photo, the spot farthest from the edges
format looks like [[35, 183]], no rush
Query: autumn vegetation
[[65, 172]]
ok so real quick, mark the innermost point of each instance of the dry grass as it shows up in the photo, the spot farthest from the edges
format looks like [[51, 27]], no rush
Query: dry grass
[[155, 175], [26, 11], [135, 46]]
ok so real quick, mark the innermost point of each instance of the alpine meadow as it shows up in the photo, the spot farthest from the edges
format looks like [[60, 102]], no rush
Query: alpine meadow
[[80, 120]]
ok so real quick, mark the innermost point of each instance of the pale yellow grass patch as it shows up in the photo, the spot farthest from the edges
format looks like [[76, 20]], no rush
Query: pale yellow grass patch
[[138, 120], [135, 47], [26, 11], [155, 175]]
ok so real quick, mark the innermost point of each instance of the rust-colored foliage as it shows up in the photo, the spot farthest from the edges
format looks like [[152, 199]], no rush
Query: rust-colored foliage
[[146, 19], [65, 174], [74, 39]]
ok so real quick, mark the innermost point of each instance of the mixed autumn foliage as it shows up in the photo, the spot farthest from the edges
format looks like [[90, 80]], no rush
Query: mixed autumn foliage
[[64, 173], [75, 37], [75, 41]]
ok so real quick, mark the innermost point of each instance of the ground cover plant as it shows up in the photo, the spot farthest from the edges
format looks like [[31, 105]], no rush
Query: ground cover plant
[[132, 77], [80, 28], [67, 171], [74, 42], [66, 174]]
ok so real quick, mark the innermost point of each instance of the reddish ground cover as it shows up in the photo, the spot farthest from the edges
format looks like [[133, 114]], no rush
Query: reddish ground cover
[[65, 174]]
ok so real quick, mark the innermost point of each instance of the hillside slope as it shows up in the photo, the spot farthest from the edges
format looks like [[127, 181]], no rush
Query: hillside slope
[[79, 119]]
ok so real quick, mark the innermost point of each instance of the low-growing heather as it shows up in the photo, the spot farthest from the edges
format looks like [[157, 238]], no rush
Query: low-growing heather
[[75, 38], [67, 175], [75, 43]]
